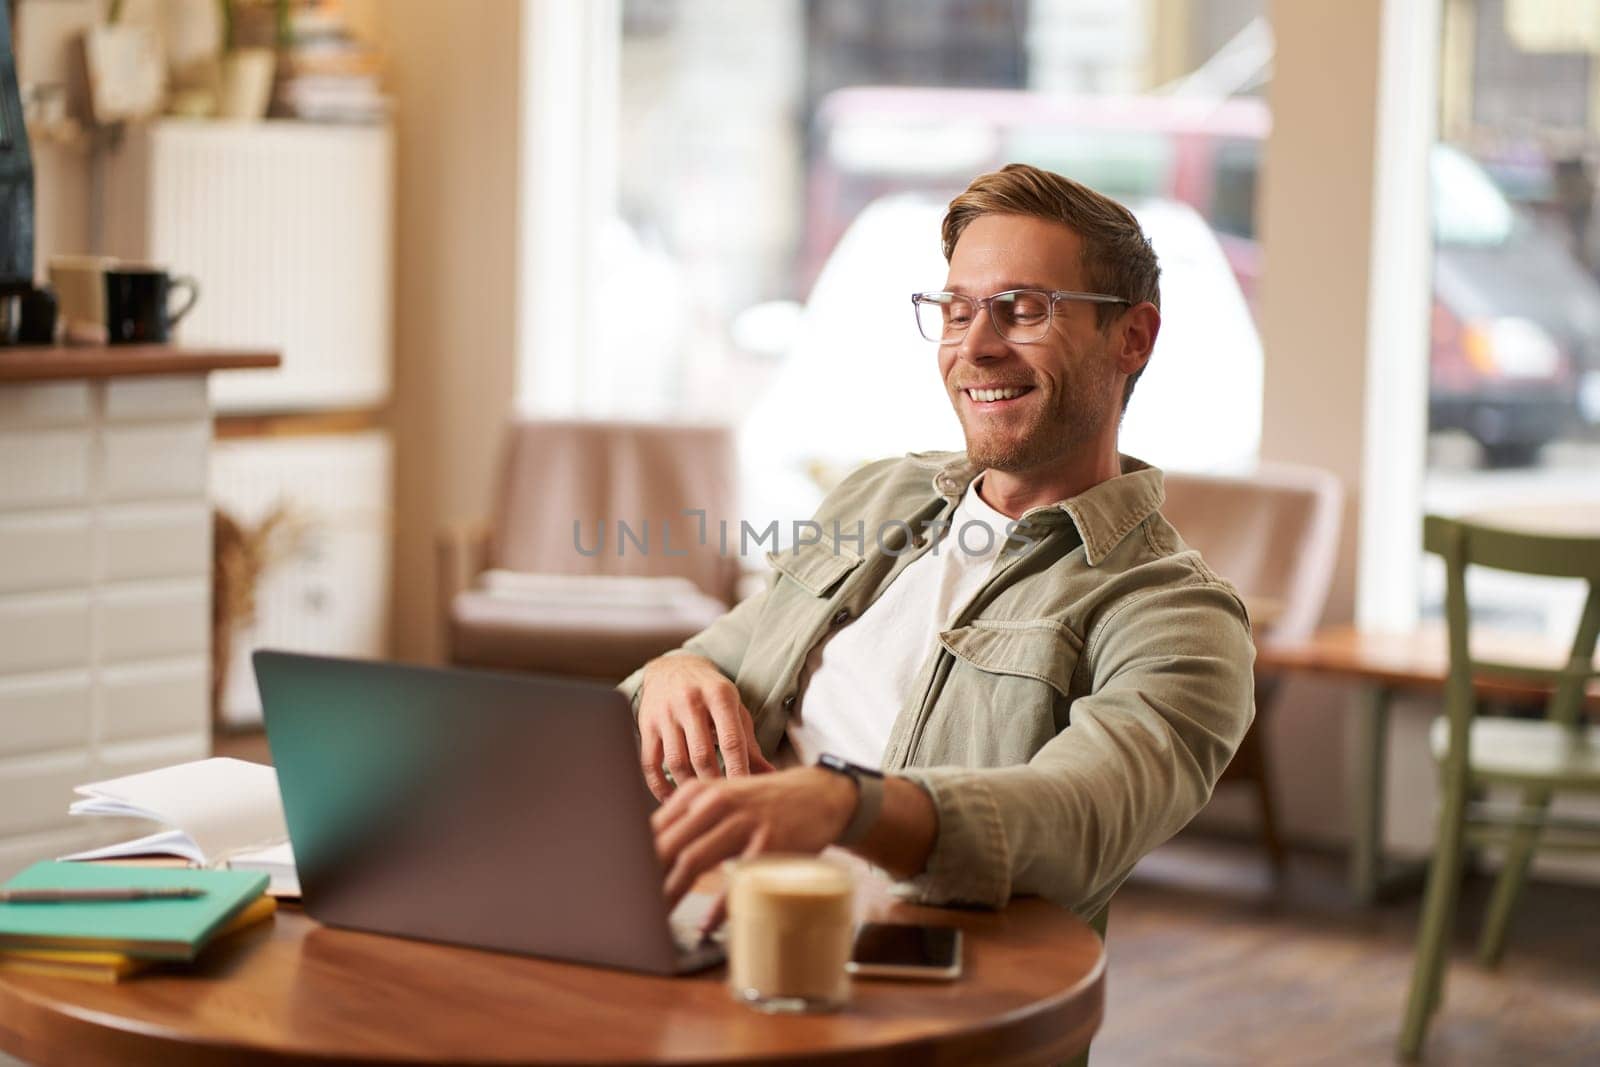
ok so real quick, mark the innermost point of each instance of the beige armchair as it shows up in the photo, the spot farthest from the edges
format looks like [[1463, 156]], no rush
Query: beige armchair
[[591, 563], [1275, 536]]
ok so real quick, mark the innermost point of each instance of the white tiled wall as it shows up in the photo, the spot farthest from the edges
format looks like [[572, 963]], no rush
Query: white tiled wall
[[158, 541], [153, 460], [105, 595], [154, 398], [37, 785], [42, 711], [45, 404], [44, 631], [44, 467], [155, 699], [46, 550]]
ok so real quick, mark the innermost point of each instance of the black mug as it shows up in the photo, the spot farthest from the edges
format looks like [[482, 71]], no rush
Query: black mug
[[137, 300], [27, 315]]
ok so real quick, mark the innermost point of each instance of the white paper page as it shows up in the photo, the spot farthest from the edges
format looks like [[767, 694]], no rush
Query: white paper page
[[164, 843], [224, 805], [276, 861], [273, 857], [98, 806]]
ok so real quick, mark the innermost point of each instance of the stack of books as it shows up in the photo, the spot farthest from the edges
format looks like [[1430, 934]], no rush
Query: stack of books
[[104, 923], [325, 74]]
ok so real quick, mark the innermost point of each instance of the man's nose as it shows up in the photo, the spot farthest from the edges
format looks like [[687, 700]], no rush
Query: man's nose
[[982, 338]]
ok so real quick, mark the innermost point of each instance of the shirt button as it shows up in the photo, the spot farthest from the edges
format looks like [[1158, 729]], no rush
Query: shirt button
[[841, 616], [788, 702]]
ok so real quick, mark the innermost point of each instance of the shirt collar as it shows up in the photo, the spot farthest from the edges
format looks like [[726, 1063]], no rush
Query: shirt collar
[[1104, 514]]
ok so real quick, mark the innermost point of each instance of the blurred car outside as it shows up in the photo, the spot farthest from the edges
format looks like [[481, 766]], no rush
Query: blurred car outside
[[1515, 355], [859, 383]]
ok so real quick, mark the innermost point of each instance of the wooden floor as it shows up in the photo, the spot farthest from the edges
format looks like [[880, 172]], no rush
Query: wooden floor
[[1209, 966]]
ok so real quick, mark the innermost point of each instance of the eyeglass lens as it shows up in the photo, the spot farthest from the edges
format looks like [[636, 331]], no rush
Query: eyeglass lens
[[1023, 315]]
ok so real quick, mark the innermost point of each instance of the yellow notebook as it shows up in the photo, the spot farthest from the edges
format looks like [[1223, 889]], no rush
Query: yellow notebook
[[99, 966]]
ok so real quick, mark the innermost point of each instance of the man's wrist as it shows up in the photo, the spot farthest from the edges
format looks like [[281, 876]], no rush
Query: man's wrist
[[661, 660], [902, 836], [665, 660], [907, 830], [868, 783], [838, 798]]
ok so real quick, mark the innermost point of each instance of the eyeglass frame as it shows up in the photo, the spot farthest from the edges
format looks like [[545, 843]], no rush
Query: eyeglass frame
[[982, 303]]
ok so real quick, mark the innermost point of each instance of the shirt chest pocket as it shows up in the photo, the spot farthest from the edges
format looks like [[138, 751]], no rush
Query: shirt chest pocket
[[816, 569], [1011, 683], [799, 606]]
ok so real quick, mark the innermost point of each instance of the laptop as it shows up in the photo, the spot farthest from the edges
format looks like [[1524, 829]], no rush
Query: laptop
[[500, 811]]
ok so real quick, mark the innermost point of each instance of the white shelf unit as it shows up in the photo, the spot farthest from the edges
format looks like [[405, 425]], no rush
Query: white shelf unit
[[288, 226]]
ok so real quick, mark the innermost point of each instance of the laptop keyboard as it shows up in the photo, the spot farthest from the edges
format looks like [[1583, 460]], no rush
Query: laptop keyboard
[[688, 938], [688, 917]]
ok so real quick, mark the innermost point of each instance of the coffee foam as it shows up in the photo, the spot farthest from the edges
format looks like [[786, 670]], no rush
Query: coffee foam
[[797, 878]]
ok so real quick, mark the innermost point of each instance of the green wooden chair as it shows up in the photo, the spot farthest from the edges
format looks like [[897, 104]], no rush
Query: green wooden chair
[[1541, 757]]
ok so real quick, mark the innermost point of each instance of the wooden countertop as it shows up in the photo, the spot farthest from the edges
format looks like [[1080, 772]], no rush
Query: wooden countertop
[[28, 363], [1417, 659]]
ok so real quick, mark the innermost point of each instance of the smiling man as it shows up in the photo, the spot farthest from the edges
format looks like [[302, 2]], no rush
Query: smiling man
[[996, 672]]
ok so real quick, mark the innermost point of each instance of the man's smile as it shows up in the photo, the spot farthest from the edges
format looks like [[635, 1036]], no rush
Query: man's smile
[[994, 397]]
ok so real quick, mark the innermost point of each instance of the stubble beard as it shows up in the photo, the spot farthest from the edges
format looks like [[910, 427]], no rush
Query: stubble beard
[[1075, 418]]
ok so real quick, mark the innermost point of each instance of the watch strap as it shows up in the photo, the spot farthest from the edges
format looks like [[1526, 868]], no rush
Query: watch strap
[[869, 796]]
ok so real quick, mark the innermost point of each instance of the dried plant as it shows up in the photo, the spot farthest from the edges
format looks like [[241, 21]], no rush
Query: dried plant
[[241, 555]]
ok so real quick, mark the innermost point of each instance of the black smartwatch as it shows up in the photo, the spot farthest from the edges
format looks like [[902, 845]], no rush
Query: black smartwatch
[[869, 795]]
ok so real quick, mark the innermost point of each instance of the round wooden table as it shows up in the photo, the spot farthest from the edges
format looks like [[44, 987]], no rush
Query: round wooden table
[[293, 991]]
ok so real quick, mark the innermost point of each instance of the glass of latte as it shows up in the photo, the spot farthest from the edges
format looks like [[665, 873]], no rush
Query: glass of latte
[[790, 924]]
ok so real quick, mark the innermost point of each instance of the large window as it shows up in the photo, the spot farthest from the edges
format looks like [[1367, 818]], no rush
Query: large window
[[1514, 384], [781, 170]]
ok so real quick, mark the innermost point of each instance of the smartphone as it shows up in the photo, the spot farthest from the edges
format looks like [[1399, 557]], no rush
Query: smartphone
[[905, 950]]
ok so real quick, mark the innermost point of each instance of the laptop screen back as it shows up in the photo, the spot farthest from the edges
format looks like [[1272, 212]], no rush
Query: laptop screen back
[[496, 810]]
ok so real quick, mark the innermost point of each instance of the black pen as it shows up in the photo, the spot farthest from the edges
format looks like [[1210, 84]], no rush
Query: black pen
[[68, 896]]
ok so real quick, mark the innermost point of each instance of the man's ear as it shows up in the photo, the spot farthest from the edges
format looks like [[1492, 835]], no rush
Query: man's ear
[[1136, 336]]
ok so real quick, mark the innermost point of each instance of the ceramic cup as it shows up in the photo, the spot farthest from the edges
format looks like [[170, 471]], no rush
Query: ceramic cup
[[80, 286], [139, 306]]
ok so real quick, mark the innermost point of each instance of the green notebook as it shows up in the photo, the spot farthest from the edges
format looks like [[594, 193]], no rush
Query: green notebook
[[149, 929]]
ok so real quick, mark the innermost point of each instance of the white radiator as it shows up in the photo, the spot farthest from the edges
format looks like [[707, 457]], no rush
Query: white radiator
[[287, 228]]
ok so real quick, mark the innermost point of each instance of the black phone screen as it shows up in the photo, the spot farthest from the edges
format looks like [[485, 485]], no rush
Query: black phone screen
[[906, 945]]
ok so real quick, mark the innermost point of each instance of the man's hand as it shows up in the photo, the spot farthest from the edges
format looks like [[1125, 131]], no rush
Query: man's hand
[[803, 809], [688, 709]]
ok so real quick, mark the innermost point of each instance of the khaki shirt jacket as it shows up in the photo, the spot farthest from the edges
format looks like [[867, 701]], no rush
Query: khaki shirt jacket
[[1073, 716]]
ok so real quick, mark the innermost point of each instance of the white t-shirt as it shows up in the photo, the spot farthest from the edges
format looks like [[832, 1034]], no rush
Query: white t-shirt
[[860, 676]]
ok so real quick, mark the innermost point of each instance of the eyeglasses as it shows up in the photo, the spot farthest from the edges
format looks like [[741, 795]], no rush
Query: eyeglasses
[[1021, 316]]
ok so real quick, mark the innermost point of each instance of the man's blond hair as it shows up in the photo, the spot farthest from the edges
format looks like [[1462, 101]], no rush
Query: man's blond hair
[[1117, 257]]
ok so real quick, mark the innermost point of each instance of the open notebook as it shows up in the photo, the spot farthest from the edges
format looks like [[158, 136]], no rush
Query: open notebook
[[214, 812]]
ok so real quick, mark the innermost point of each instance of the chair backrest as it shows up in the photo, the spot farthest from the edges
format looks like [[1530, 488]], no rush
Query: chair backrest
[[1274, 534], [624, 484], [1551, 556]]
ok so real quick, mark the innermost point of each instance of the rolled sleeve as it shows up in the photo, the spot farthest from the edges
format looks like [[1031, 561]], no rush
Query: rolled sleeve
[[971, 859]]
